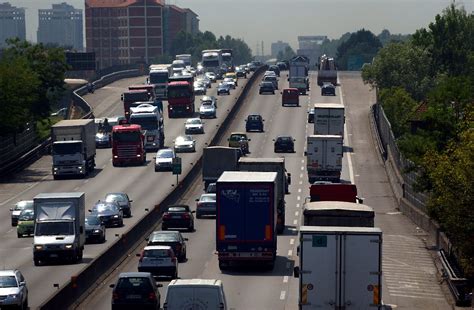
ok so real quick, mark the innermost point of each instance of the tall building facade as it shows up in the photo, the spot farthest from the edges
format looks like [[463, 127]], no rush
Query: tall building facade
[[124, 31], [175, 20], [12, 23], [61, 25], [277, 47], [310, 46]]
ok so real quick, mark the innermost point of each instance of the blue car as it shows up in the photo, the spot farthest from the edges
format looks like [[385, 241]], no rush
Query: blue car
[[223, 88], [109, 213]]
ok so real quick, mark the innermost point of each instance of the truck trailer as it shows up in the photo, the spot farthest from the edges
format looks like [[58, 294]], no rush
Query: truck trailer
[[338, 213], [340, 268], [324, 157], [216, 160], [283, 180], [246, 218], [59, 227], [329, 119], [73, 147]]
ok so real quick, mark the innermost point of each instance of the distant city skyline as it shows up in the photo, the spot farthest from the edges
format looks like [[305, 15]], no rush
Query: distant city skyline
[[273, 20]]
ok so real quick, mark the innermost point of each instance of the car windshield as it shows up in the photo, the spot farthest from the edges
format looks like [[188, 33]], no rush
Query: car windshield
[[254, 117], [8, 281], [134, 283], [104, 207], [115, 197], [284, 139], [92, 220], [182, 139], [193, 121], [165, 154], [164, 237], [267, 84], [177, 209], [207, 198], [65, 148], [23, 205], [127, 136], [27, 215], [238, 137], [207, 103], [146, 122], [156, 253]]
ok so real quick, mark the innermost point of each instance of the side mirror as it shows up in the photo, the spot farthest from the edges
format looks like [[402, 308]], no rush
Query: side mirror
[[159, 284], [22, 283], [281, 93], [359, 199], [306, 199], [138, 255], [296, 272], [130, 200], [249, 140], [112, 285], [294, 140], [197, 199], [11, 209], [193, 211], [273, 140], [305, 153], [90, 211], [185, 239], [263, 120]]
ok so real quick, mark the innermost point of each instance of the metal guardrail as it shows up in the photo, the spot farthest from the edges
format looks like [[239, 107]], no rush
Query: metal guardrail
[[458, 286], [75, 289], [42, 148]]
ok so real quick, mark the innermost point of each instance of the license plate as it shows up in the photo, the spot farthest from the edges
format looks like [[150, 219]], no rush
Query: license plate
[[53, 255], [176, 217], [134, 296]]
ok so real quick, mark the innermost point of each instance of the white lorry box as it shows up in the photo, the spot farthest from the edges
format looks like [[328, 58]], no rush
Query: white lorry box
[[195, 294], [324, 157], [338, 213], [329, 119], [340, 268]]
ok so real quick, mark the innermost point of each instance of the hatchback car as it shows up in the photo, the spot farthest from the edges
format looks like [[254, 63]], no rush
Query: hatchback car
[[164, 159], [193, 125], [254, 122], [108, 212], [159, 260], [266, 87], [327, 89], [194, 293], [273, 79], [239, 140], [136, 289], [207, 110], [275, 69], [26, 223], [13, 290], [284, 144], [240, 72], [199, 88], [206, 205], [124, 202], [172, 238], [184, 144], [223, 88], [19, 206], [95, 229], [178, 216]]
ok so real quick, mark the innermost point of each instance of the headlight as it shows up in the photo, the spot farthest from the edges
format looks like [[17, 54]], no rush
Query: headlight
[[68, 246], [38, 247], [55, 169], [14, 296], [116, 216], [97, 231]]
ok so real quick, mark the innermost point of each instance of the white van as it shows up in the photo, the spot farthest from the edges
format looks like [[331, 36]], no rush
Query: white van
[[196, 294]]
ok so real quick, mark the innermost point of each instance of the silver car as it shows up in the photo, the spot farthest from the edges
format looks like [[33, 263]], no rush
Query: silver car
[[193, 125], [206, 205], [211, 76], [13, 290], [20, 206], [230, 81], [164, 159], [184, 144], [207, 110]]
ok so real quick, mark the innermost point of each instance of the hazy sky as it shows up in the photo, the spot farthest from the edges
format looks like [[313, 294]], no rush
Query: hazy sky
[[272, 20]]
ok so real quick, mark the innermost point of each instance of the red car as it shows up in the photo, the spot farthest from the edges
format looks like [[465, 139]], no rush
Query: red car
[[290, 96]]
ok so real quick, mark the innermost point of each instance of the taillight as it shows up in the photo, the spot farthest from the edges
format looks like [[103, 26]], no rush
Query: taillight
[[173, 259], [166, 216], [152, 296], [141, 256], [115, 296], [186, 216]]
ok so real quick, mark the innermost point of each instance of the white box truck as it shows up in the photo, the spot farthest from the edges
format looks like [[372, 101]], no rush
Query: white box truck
[[73, 147], [324, 157], [216, 160], [340, 268], [283, 180], [329, 119], [59, 227]]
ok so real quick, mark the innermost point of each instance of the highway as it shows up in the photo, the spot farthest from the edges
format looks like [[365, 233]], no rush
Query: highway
[[143, 184], [409, 275]]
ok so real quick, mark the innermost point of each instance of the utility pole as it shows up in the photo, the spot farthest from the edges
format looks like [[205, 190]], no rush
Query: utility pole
[[262, 50]]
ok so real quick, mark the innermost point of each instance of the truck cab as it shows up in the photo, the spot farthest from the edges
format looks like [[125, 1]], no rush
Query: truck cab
[[151, 121], [131, 96], [128, 145], [181, 96]]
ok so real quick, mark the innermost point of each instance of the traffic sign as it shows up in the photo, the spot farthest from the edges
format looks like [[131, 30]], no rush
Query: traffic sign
[[177, 165]]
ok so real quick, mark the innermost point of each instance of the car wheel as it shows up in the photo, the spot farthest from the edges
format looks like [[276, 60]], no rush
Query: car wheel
[[223, 266], [273, 92], [102, 240], [19, 235], [164, 228], [198, 215], [191, 228], [36, 262], [121, 223]]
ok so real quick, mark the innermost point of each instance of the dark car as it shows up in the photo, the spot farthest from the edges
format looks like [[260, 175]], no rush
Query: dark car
[[275, 69], [254, 122], [95, 229], [328, 90], [223, 88], [266, 87], [240, 72], [281, 65], [108, 212], [124, 202], [178, 216], [172, 238], [284, 144], [135, 290], [211, 188], [311, 115], [206, 205]]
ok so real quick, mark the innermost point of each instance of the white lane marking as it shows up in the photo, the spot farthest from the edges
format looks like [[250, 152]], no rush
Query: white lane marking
[[299, 190], [25, 190], [295, 222], [297, 213], [76, 188], [298, 198], [302, 167], [302, 161], [301, 182], [282, 295], [349, 155], [297, 205], [290, 253], [301, 175], [285, 279], [292, 241]]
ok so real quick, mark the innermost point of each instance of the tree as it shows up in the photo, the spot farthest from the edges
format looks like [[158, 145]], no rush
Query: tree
[[399, 108], [401, 65], [286, 54], [18, 92], [362, 45], [50, 66]]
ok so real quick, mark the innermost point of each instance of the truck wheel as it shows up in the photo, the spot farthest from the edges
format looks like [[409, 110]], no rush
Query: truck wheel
[[223, 266], [270, 265], [19, 235], [36, 262], [55, 177]]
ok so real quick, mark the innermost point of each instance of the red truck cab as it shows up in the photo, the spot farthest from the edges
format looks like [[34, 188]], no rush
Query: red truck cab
[[180, 99], [132, 96], [327, 191], [128, 145], [290, 96]]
